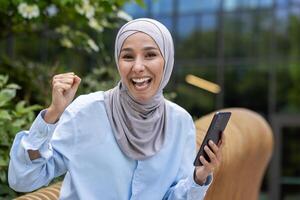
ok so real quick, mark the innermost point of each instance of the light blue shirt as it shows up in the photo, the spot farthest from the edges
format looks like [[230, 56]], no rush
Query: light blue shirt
[[82, 145]]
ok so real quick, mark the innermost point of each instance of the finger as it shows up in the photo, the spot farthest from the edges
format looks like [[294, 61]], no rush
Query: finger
[[64, 75], [69, 80], [210, 154], [216, 150], [62, 82], [60, 87], [207, 166], [213, 146], [203, 161]]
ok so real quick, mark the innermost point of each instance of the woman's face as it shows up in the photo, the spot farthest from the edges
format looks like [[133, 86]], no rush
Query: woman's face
[[141, 66]]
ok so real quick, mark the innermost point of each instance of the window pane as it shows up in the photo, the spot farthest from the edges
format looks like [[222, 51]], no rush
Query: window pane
[[135, 10], [186, 24], [167, 21], [238, 35], [265, 3], [295, 11], [282, 3], [230, 4], [291, 148], [162, 7], [288, 90], [246, 81], [206, 41], [262, 35], [290, 163], [208, 22], [196, 100], [186, 6], [297, 2], [233, 4]]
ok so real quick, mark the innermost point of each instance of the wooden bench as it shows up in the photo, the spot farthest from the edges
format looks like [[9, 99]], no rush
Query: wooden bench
[[246, 154]]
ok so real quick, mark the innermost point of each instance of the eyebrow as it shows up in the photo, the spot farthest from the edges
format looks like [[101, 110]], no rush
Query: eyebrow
[[145, 48]]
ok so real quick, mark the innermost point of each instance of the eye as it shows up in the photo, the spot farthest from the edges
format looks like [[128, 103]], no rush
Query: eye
[[127, 56], [150, 54]]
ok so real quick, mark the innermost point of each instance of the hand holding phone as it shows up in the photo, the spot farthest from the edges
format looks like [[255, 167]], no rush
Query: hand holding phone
[[216, 128]]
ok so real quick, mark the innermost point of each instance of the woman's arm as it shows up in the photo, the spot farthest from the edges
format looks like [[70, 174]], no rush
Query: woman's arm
[[33, 160], [64, 87], [186, 185]]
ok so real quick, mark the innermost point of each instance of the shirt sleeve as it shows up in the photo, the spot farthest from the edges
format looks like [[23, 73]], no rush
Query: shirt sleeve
[[24, 174], [185, 188]]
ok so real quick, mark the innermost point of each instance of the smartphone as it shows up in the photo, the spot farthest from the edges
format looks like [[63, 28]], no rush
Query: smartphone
[[216, 128]]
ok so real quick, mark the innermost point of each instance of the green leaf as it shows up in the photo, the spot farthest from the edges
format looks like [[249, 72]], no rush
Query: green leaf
[[4, 115], [4, 5], [6, 95], [3, 80], [13, 86], [20, 106], [21, 109], [32, 108], [3, 163], [3, 177], [141, 3], [19, 123]]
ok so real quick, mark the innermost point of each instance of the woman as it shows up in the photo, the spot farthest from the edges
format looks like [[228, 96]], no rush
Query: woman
[[125, 143]]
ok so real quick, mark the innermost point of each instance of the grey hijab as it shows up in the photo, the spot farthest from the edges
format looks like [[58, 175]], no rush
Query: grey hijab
[[139, 128]]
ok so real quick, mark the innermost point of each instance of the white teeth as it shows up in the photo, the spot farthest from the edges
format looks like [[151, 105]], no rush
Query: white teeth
[[140, 80]]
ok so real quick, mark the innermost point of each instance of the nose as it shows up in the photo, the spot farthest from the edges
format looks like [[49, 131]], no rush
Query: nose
[[138, 65]]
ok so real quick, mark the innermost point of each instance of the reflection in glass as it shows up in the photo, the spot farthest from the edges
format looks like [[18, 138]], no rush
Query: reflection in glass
[[295, 11], [265, 3], [167, 21], [135, 10], [265, 20], [186, 24], [240, 86], [252, 3], [230, 4], [200, 41], [162, 7], [281, 3], [186, 6], [234, 4], [238, 35], [208, 22], [189, 94], [282, 17], [296, 2]]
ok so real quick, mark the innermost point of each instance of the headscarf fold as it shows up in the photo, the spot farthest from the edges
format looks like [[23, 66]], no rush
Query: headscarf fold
[[139, 128]]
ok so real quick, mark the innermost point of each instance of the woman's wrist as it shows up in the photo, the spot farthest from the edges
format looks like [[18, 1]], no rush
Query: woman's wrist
[[199, 181], [51, 115]]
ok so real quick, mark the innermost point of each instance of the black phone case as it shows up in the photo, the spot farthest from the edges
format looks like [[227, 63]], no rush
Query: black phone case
[[216, 127]]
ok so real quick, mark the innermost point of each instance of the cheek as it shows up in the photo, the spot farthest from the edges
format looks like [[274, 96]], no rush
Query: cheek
[[160, 70], [123, 70]]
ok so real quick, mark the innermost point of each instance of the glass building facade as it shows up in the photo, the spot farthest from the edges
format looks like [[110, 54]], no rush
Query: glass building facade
[[251, 48]]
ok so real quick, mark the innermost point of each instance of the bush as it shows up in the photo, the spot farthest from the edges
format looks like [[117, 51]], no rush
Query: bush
[[13, 118]]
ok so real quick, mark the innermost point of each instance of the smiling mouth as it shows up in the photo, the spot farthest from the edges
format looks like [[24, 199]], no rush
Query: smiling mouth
[[141, 83]]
